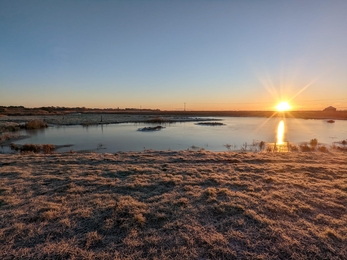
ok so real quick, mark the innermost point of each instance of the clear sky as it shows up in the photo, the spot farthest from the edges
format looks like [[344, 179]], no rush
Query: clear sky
[[211, 55]]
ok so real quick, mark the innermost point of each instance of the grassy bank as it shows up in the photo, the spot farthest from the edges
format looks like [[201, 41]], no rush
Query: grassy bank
[[173, 205]]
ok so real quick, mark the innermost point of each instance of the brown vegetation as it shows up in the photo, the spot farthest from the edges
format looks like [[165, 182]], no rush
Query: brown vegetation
[[7, 136], [7, 131], [210, 123], [33, 148], [173, 205], [35, 124], [9, 127], [158, 120]]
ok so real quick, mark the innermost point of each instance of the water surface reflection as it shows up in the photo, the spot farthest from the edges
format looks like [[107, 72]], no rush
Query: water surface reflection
[[181, 136], [280, 132]]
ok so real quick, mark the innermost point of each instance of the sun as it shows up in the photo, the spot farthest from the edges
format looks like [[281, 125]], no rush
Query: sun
[[283, 106]]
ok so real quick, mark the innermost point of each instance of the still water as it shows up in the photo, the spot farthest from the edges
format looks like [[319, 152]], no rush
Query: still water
[[182, 136]]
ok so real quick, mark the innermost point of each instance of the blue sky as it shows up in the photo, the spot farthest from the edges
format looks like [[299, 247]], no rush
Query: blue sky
[[210, 55]]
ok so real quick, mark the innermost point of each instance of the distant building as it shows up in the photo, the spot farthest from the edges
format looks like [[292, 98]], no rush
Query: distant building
[[330, 109]]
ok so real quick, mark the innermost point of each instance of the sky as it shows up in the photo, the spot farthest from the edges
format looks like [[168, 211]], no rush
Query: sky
[[205, 55]]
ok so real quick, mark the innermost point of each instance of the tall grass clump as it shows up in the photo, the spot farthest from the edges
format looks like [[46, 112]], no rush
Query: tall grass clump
[[7, 136], [314, 143], [35, 124], [158, 120], [311, 146], [322, 148], [261, 145], [48, 148], [9, 127], [344, 145], [305, 148], [35, 148], [341, 145], [293, 148]]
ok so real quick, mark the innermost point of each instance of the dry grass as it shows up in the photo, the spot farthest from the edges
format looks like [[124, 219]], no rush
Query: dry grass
[[7, 131], [33, 148], [173, 205], [35, 124], [158, 120], [9, 127], [7, 136]]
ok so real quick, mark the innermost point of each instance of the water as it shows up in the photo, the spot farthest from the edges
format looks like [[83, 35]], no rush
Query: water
[[182, 136]]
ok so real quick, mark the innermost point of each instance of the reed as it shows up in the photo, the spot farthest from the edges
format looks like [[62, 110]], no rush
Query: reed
[[36, 124]]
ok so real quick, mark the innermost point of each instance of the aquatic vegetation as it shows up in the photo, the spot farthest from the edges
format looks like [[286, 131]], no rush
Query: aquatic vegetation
[[33, 148], [151, 128], [228, 146], [323, 148], [305, 148], [35, 124], [341, 146], [210, 123], [30, 148], [10, 127], [7, 136], [159, 120], [314, 143], [261, 145], [48, 148], [293, 148]]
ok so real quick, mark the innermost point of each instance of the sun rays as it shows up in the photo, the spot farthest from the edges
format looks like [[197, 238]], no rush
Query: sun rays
[[282, 93]]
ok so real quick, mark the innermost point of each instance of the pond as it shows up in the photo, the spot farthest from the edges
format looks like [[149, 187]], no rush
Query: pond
[[235, 133]]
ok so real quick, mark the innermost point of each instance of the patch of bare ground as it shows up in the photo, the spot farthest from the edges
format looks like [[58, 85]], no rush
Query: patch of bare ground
[[173, 205]]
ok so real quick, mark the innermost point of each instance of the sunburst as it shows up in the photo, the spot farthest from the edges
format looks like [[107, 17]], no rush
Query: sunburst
[[283, 106]]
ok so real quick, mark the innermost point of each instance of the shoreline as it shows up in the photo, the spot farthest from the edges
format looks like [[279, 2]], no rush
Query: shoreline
[[88, 119], [139, 116]]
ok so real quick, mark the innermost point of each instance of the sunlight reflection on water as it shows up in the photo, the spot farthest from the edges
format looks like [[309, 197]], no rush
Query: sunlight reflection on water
[[280, 132]]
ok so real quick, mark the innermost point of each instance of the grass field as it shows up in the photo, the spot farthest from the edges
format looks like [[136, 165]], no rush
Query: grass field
[[173, 205]]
